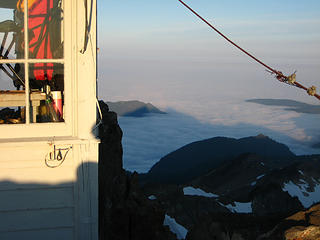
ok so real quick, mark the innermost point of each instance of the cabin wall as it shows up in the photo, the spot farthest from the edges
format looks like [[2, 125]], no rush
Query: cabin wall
[[39, 202], [86, 70]]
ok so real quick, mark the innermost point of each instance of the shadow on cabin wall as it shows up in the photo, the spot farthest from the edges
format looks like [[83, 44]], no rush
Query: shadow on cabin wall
[[45, 211], [68, 210]]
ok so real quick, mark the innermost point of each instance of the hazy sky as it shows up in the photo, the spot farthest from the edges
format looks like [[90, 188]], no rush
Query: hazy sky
[[147, 42], [158, 52]]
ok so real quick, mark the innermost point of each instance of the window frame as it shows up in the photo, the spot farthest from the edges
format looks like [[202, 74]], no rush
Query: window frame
[[52, 129]]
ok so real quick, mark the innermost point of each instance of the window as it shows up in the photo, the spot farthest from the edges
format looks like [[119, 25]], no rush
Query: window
[[33, 63]]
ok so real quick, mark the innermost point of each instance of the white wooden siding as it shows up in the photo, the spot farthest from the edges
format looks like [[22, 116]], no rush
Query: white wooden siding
[[38, 202], [42, 203]]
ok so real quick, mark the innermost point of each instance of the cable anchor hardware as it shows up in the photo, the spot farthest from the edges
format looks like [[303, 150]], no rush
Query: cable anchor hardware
[[312, 91]]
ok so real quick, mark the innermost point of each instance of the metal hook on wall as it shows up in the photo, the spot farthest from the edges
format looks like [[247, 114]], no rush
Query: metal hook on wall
[[56, 156]]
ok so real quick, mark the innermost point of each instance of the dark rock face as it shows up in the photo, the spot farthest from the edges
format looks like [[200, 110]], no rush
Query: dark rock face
[[234, 179], [186, 210], [208, 230], [303, 225], [269, 199], [230, 227], [124, 212], [248, 178]]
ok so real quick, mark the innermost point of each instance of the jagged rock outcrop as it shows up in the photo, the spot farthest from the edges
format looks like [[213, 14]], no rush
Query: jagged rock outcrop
[[266, 188], [270, 199], [230, 227], [124, 212], [304, 225], [186, 210]]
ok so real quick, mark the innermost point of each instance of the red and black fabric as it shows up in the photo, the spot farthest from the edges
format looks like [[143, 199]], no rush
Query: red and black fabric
[[40, 39]]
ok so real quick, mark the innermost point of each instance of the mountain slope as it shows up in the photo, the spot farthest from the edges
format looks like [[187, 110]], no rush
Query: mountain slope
[[236, 178], [247, 195], [197, 158]]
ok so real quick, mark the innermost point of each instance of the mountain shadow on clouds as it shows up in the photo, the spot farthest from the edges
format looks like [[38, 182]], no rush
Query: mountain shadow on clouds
[[291, 105]]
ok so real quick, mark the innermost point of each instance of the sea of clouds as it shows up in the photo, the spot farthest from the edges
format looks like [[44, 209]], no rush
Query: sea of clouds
[[149, 138], [205, 95]]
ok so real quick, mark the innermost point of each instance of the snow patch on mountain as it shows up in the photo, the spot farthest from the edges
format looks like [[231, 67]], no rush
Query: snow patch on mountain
[[152, 197], [198, 192], [253, 183], [261, 176], [175, 227], [257, 178], [302, 190], [239, 207]]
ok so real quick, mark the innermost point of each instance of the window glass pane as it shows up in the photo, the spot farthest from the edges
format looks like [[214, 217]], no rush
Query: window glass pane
[[11, 34], [12, 100], [47, 92], [45, 29], [46, 80]]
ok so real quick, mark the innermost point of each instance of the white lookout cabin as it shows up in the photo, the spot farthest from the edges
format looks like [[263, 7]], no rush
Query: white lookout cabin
[[48, 140]]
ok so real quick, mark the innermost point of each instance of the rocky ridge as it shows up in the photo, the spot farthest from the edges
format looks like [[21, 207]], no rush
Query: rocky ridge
[[248, 195], [304, 225], [124, 211], [262, 193]]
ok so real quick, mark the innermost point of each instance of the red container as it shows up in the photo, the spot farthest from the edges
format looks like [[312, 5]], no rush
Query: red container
[[57, 102]]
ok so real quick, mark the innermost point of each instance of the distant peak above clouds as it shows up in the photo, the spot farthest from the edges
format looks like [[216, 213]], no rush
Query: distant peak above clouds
[[133, 108], [290, 105], [197, 158], [261, 136]]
